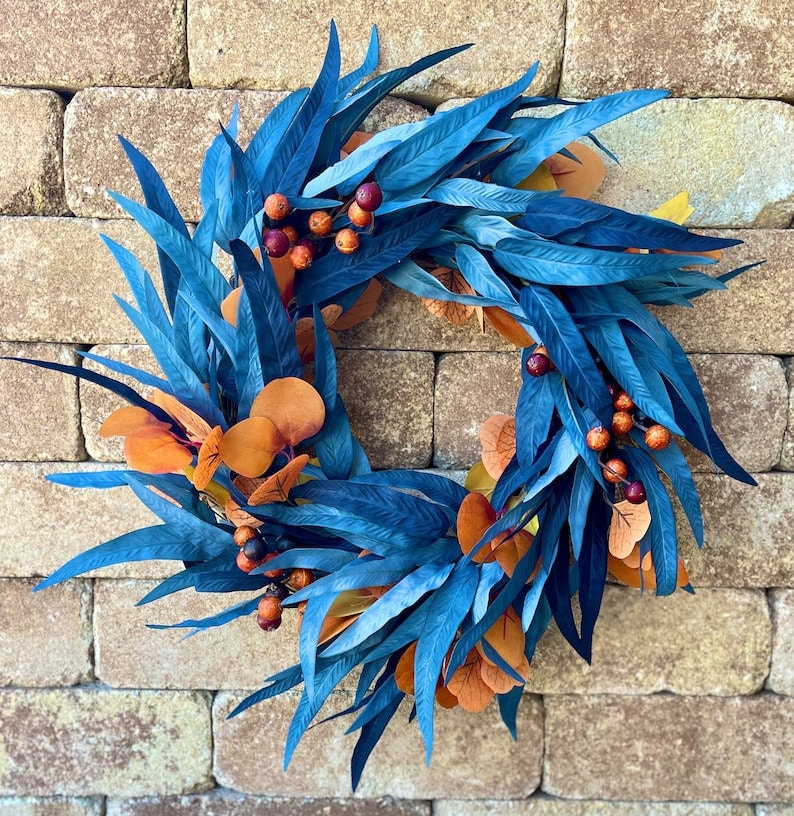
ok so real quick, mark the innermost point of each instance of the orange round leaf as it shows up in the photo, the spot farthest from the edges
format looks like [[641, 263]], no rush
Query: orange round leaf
[[451, 279], [404, 670], [248, 447], [293, 406], [510, 548], [506, 325], [468, 686], [498, 440], [475, 516], [230, 304], [507, 638], [629, 524], [362, 309], [129, 419], [580, 179], [155, 450]]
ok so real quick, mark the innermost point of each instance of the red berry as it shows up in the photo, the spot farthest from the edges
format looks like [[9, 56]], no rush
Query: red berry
[[369, 196], [358, 216], [537, 365], [268, 612], [320, 223], [634, 492], [277, 207], [598, 438], [244, 562], [615, 471], [622, 422], [347, 241], [657, 437], [276, 243]]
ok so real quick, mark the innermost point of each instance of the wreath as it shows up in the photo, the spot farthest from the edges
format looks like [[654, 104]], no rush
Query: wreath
[[434, 591]]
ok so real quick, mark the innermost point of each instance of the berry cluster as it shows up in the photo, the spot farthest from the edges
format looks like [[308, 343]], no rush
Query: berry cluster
[[281, 235]]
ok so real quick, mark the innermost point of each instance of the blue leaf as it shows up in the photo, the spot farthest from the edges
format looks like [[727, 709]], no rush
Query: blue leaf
[[581, 494], [90, 478], [483, 278], [592, 563], [465, 192], [211, 621], [349, 81], [321, 559], [143, 377], [534, 411], [508, 709], [247, 365], [490, 575], [324, 362], [436, 487], [334, 444], [266, 141], [371, 733]]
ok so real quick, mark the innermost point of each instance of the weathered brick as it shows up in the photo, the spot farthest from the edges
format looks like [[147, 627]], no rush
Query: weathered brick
[[735, 749], [465, 748], [389, 395], [714, 642], [30, 153], [237, 655], [97, 403], [787, 453], [46, 641], [781, 675], [39, 412], [729, 153], [63, 522], [469, 388], [724, 48], [125, 743], [67, 46], [59, 280], [756, 314], [224, 803], [774, 810], [542, 805], [245, 50], [748, 533], [34, 806]]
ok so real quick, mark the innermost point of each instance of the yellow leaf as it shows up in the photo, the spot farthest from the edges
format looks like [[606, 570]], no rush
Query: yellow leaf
[[478, 480], [677, 209], [629, 524], [540, 179]]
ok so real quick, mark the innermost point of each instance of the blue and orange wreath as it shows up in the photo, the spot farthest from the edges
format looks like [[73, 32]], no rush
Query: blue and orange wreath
[[434, 591]]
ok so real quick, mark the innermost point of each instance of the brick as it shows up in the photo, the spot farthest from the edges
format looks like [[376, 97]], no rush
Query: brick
[[30, 153], [39, 413], [756, 314], [670, 748], [748, 533], [714, 642], [396, 767], [237, 655], [46, 640], [469, 388], [224, 803], [33, 806], [224, 53], [729, 154], [732, 49], [781, 675], [787, 453], [86, 742], [59, 280], [774, 810], [542, 805], [69, 520], [97, 403], [389, 395], [66, 47]]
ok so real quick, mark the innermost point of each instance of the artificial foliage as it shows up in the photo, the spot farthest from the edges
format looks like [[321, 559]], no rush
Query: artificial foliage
[[435, 592]]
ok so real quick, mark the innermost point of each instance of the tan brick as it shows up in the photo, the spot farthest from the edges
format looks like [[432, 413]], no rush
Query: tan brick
[[724, 48], [756, 314], [125, 743], [542, 805], [224, 803], [66, 46], [97, 403], [781, 675], [396, 767], [736, 749], [39, 412], [714, 642], [30, 153], [774, 810], [46, 640], [389, 395], [469, 388], [64, 522], [33, 806], [237, 655], [748, 533], [224, 52], [787, 453]]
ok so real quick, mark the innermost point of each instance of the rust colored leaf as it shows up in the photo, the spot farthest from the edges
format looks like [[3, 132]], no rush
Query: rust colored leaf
[[629, 524], [284, 273], [580, 179], [362, 309], [495, 678], [451, 279], [209, 458], [249, 446], [155, 450], [238, 516], [508, 327], [293, 406], [642, 578], [358, 138], [510, 548], [507, 638], [277, 487], [245, 485], [334, 626], [475, 516], [498, 440], [230, 304], [404, 670], [468, 686], [129, 419], [445, 698], [195, 426]]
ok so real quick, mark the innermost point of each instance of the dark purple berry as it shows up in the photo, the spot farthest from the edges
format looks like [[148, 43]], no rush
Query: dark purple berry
[[538, 365], [369, 196], [276, 243], [255, 549], [634, 492]]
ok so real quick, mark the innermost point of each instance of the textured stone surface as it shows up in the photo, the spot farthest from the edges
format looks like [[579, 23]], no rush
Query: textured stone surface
[[787, 453], [94, 742], [59, 279], [713, 642], [774, 810], [46, 638], [724, 48], [39, 413], [749, 533], [97, 403], [247, 50], [30, 153], [731, 154], [231, 804], [463, 758], [237, 655], [469, 388], [781, 675], [68, 45], [65, 521], [542, 805], [670, 748], [389, 396], [33, 806], [756, 314]]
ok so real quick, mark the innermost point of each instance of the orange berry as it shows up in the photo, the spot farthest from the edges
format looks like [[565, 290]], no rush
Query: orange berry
[[275, 573], [320, 223], [598, 438], [243, 534], [299, 578], [359, 217], [301, 257], [615, 471], [622, 401], [291, 233], [347, 241], [657, 437], [244, 562], [277, 206], [622, 422]]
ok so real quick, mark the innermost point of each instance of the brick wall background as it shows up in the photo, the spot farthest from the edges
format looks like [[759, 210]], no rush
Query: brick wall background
[[688, 708]]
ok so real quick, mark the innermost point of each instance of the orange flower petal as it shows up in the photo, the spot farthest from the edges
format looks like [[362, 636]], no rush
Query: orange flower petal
[[580, 179], [362, 309], [506, 325], [155, 450], [277, 487], [456, 313], [209, 458], [475, 516], [293, 406], [629, 524], [498, 440], [249, 446], [404, 670], [129, 419], [468, 686]]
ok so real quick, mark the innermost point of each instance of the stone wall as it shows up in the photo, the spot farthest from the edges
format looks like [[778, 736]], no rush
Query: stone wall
[[688, 708]]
